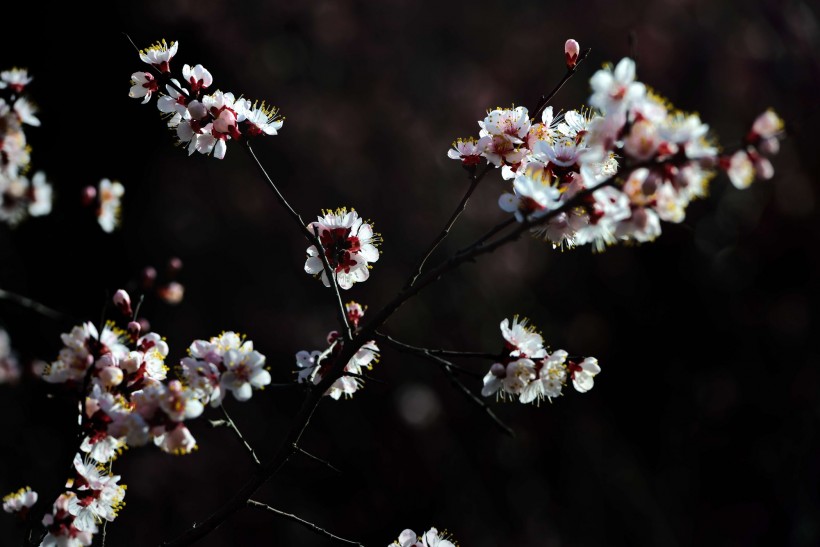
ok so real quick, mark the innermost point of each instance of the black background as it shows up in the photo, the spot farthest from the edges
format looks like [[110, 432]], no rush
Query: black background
[[702, 427]]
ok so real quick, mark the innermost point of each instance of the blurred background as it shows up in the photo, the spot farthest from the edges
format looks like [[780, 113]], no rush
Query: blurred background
[[702, 428]]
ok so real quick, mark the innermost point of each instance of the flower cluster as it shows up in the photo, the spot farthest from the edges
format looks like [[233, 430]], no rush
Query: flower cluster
[[564, 167], [128, 402], [9, 366], [92, 495], [20, 196], [224, 363], [204, 122], [315, 365], [750, 162], [529, 372], [349, 245], [19, 502], [430, 538]]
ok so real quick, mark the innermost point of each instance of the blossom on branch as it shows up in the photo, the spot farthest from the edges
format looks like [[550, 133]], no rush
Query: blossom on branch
[[19, 502], [315, 365], [349, 245], [204, 123], [431, 538], [528, 372]]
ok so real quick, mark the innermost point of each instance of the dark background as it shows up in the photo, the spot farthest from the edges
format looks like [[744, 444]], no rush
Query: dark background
[[702, 428]]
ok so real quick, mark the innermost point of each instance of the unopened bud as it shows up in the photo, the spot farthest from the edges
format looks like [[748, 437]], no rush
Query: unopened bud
[[88, 196], [134, 329], [332, 336], [123, 302], [571, 51]]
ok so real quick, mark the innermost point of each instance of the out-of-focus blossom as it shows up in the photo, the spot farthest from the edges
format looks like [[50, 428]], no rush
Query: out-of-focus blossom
[[109, 208]]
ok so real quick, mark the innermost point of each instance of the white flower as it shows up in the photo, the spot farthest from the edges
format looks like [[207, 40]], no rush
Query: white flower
[[110, 204], [20, 500], [197, 77], [244, 371], [98, 496], [522, 340], [25, 111], [614, 90], [552, 375], [431, 538], [469, 151], [583, 373], [534, 197], [741, 170], [159, 55], [15, 79], [513, 124], [9, 367], [349, 245], [263, 120], [143, 85], [61, 528], [40, 195]]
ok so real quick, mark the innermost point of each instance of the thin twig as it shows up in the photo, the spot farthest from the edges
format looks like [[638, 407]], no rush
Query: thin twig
[[313, 238], [230, 423], [447, 366], [34, 306], [475, 179], [364, 377], [316, 458], [545, 99], [307, 524], [494, 230], [425, 352]]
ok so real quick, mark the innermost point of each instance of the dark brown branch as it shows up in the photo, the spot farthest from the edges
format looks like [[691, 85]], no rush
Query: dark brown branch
[[429, 352], [307, 524], [447, 367], [474, 180], [34, 306], [230, 423]]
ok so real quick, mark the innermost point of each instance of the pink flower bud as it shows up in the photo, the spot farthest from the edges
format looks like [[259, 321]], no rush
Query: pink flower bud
[[123, 302], [571, 51], [88, 196], [332, 336], [134, 329], [498, 370]]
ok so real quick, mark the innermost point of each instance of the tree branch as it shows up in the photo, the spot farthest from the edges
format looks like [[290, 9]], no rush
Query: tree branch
[[316, 458], [303, 522], [35, 306], [545, 99], [230, 423], [428, 352], [475, 179]]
